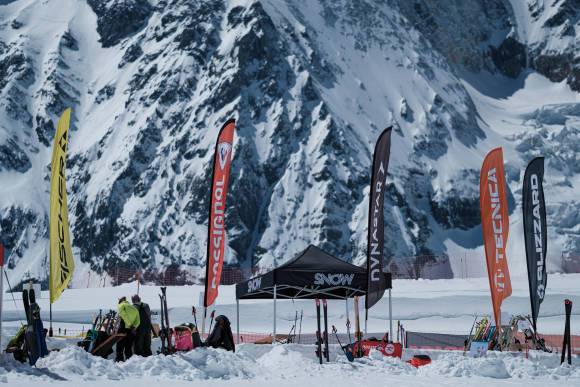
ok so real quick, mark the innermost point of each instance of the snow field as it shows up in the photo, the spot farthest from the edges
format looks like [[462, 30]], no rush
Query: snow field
[[445, 306]]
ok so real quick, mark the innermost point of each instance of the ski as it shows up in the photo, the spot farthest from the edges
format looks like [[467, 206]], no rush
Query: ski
[[326, 353], [318, 338], [566, 341], [468, 341], [481, 325], [169, 344], [357, 334], [162, 331], [95, 329], [26, 303]]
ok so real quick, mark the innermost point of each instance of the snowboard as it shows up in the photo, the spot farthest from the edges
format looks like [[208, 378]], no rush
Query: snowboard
[[29, 336], [34, 336], [38, 326]]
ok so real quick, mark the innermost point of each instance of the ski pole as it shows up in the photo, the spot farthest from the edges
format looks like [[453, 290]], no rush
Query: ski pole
[[348, 329], [337, 339], [194, 316], [211, 321], [289, 340], [300, 331], [469, 337], [295, 320]]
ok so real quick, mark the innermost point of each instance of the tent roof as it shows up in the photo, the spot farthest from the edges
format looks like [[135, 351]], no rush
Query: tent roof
[[312, 274], [315, 259]]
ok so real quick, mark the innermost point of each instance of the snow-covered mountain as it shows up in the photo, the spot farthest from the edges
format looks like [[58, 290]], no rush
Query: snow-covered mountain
[[311, 85]]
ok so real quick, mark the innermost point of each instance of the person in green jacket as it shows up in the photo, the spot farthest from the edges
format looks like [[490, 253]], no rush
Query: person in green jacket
[[128, 325]]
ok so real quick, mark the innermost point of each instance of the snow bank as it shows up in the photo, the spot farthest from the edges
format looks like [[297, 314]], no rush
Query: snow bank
[[264, 364]]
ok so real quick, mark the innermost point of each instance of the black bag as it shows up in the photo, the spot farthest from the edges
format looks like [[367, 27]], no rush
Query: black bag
[[221, 335], [17, 346]]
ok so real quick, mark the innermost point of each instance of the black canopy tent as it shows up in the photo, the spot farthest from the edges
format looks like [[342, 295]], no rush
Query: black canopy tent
[[312, 274]]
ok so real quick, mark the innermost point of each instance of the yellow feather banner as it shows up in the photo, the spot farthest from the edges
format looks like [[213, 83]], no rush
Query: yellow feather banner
[[61, 260]]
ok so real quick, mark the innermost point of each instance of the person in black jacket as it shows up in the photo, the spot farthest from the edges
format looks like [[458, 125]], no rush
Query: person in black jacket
[[143, 335]]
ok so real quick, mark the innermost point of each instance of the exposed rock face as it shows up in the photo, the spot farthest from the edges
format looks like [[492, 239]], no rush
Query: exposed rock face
[[13, 158], [555, 53], [117, 19], [469, 33], [510, 57]]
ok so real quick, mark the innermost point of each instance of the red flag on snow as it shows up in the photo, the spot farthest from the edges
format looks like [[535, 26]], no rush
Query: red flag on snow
[[216, 229]]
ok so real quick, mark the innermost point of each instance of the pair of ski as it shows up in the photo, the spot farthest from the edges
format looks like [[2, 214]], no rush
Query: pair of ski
[[165, 331], [35, 337], [324, 338], [478, 326], [111, 325], [292, 333], [94, 332], [566, 343]]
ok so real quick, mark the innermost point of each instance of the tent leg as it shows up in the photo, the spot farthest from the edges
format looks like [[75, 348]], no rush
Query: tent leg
[[1, 286], [390, 317], [238, 320], [347, 319], [274, 335], [366, 319]]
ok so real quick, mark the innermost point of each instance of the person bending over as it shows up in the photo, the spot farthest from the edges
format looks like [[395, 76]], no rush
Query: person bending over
[[128, 325]]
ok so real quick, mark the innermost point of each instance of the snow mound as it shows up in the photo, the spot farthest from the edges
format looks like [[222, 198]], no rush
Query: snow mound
[[201, 364], [261, 364]]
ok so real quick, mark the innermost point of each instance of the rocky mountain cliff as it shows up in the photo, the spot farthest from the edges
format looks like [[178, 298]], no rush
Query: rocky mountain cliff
[[311, 86]]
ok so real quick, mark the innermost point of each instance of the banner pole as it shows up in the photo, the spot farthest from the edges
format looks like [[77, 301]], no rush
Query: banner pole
[[238, 319], [274, 336], [203, 322], [390, 317], [501, 346], [50, 331], [1, 286], [366, 319]]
